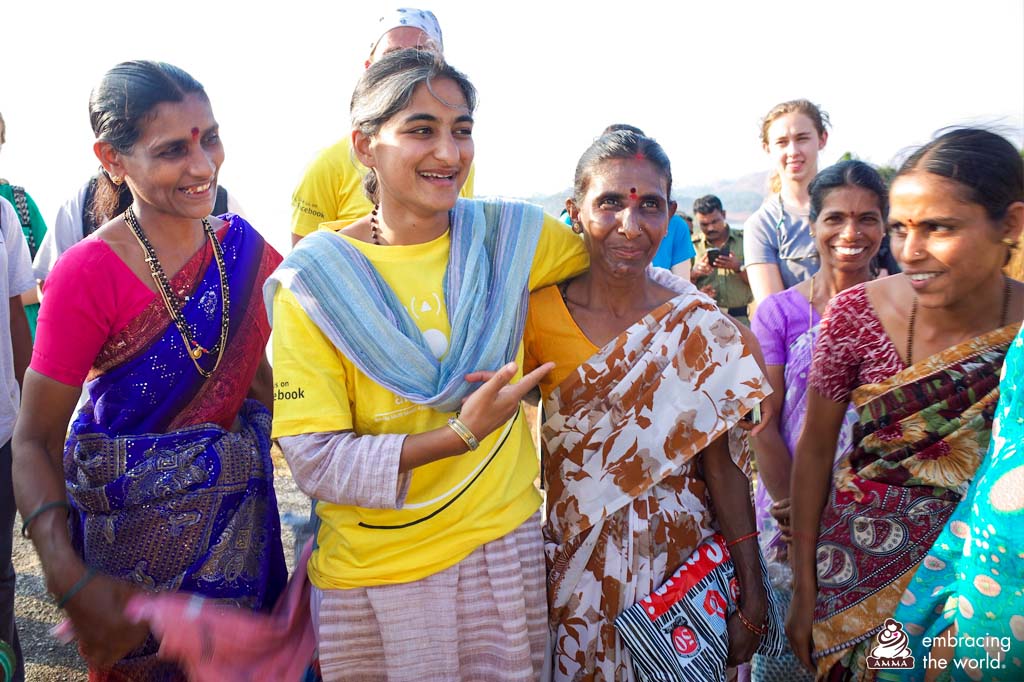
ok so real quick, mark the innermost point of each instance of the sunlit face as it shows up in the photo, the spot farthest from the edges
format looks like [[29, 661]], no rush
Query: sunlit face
[[173, 165], [625, 215], [402, 38], [713, 226], [793, 145], [849, 229], [423, 153], [947, 245]]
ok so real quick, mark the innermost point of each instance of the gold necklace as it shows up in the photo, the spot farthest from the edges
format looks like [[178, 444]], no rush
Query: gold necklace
[[163, 285]]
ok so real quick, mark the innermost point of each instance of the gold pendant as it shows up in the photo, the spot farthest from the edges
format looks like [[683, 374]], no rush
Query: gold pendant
[[197, 353]]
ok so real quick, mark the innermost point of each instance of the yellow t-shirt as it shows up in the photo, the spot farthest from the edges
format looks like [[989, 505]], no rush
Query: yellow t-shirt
[[332, 189], [453, 505], [551, 335]]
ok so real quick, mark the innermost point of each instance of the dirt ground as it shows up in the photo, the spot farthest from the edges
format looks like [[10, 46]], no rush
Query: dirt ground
[[46, 660]]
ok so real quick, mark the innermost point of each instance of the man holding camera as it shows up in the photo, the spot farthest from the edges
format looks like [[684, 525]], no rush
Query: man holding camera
[[718, 267]]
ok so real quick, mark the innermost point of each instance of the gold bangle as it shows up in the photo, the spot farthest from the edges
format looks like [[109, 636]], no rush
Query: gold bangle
[[464, 433]]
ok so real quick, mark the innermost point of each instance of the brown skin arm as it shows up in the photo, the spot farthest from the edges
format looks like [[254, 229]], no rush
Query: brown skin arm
[[773, 458], [812, 476], [729, 489], [296, 238], [262, 388], [21, 339], [97, 611]]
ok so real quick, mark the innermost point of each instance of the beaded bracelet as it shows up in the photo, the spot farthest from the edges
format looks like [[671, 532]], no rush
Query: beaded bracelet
[[89, 574], [464, 433], [742, 538], [760, 631], [42, 509]]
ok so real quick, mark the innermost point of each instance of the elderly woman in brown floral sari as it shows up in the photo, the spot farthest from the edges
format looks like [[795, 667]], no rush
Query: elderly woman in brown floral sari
[[650, 380]]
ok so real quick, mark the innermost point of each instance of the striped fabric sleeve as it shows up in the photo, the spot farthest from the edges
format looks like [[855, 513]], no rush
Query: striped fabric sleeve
[[343, 468]]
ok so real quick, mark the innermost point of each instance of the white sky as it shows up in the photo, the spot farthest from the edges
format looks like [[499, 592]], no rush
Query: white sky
[[696, 75]]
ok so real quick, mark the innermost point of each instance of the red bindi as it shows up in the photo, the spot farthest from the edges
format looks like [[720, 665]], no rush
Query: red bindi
[[195, 134], [632, 193]]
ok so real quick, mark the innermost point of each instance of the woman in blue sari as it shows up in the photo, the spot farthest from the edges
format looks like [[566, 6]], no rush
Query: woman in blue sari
[[165, 477]]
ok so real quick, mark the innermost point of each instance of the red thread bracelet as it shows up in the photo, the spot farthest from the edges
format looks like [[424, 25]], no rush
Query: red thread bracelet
[[742, 538], [759, 631]]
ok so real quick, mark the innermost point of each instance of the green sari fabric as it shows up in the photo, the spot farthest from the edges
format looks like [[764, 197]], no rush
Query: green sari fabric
[[973, 577]]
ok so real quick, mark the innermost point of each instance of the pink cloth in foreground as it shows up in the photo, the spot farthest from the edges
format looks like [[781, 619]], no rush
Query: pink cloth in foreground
[[211, 641]]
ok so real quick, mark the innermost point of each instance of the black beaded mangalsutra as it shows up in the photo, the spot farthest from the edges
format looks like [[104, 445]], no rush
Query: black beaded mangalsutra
[[374, 225], [174, 307]]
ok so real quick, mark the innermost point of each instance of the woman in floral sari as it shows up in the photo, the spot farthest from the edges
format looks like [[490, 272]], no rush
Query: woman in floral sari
[[919, 356], [167, 468], [849, 203], [647, 387]]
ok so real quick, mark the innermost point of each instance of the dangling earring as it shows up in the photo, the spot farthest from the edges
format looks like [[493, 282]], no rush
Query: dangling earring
[[1010, 243], [577, 227]]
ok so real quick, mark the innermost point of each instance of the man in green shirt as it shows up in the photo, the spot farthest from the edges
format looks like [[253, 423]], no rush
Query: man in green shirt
[[718, 266], [32, 226]]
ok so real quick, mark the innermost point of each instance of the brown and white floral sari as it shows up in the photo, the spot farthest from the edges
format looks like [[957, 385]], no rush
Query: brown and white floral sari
[[626, 501]]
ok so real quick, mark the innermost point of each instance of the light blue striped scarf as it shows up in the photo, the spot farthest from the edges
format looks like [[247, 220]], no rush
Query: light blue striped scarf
[[485, 290]]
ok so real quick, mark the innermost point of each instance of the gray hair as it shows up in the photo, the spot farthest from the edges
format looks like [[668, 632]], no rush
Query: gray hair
[[387, 87]]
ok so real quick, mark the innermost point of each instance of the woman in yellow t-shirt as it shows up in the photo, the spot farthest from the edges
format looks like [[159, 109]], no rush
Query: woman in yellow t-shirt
[[397, 339]]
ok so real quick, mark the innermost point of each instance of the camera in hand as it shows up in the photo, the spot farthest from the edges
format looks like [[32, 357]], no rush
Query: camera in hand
[[715, 254]]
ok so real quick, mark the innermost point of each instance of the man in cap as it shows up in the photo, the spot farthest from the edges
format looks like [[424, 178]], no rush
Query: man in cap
[[332, 188]]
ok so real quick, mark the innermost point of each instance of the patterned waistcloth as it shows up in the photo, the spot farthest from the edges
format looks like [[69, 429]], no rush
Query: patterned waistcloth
[[973, 577], [481, 619], [918, 442], [166, 497], [627, 502]]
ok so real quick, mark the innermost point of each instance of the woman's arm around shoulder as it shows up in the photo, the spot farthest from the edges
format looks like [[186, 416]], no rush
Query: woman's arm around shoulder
[[560, 255]]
